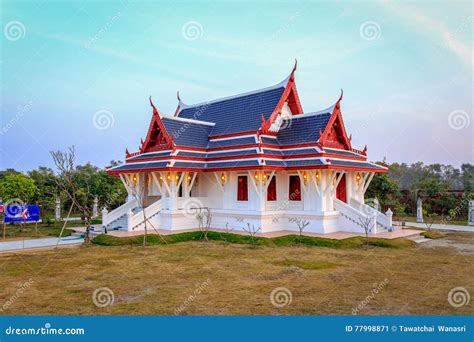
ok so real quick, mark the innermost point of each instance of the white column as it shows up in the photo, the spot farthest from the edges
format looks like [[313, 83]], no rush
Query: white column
[[389, 215], [470, 213], [57, 211], [419, 210], [104, 217], [95, 207]]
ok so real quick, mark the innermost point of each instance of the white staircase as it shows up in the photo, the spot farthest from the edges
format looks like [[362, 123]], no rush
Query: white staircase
[[384, 221], [361, 216], [130, 216]]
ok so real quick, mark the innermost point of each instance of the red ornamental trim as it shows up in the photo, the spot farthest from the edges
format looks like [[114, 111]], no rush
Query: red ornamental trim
[[157, 138], [256, 168], [290, 94], [334, 134], [247, 156]]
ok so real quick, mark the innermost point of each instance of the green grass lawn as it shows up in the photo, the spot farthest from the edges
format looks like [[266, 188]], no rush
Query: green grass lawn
[[239, 277], [438, 220]]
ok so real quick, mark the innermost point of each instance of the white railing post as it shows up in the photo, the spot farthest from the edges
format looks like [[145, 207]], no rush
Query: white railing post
[[104, 217], [389, 215], [129, 219]]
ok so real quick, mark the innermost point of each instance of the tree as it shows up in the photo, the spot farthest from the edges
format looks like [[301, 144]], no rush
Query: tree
[[384, 188], [17, 186], [252, 231], [44, 180], [366, 223], [302, 224], [204, 217], [66, 180]]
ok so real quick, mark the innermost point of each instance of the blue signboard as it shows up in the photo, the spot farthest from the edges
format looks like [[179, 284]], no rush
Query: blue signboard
[[22, 213]]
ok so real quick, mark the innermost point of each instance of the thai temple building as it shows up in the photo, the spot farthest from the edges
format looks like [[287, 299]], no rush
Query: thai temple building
[[255, 158]]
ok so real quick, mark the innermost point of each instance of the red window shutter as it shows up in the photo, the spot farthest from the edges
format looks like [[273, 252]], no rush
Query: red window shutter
[[295, 189], [272, 190], [242, 189]]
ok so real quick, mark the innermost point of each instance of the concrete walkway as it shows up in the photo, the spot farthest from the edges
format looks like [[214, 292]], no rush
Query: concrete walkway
[[38, 243], [439, 226]]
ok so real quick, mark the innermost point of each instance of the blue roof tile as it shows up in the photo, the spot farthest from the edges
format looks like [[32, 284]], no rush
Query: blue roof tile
[[231, 142], [356, 164], [270, 141], [151, 155], [303, 129], [138, 166], [237, 114], [186, 133], [232, 164]]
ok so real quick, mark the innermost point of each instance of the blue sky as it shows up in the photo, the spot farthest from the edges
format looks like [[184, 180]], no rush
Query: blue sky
[[405, 67]]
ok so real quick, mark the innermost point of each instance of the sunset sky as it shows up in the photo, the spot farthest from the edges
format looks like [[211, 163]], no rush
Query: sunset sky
[[80, 73]]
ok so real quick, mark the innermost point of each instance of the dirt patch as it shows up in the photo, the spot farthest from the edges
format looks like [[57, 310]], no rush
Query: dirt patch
[[461, 242]]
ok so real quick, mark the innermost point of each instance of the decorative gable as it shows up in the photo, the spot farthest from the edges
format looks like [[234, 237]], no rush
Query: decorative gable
[[289, 99], [157, 138], [334, 134]]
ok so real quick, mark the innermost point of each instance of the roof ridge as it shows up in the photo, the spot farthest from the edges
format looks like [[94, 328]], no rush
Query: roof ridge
[[282, 84], [305, 115], [199, 122]]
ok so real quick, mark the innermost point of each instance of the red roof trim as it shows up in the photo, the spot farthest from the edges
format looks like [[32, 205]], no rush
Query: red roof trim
[[290, 94], [248, 156], [148, 145], [261, 167]]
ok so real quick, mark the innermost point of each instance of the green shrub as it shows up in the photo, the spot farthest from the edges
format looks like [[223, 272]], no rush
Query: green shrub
[[432, 235]]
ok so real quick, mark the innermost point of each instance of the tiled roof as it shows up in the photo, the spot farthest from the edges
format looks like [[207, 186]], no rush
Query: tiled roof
[[236, 114], [138, 166], [231, 142], [292, 163], [187, 133], [303, 129], [150, 155], [356, 164], [342, 152]]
